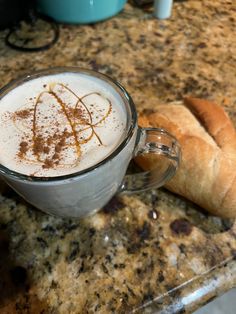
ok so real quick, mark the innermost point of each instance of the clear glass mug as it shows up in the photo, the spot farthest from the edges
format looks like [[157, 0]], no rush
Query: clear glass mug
[[84, 192]]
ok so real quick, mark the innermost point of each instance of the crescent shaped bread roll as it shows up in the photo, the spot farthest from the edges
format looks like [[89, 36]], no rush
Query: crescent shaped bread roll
[[207, 172]]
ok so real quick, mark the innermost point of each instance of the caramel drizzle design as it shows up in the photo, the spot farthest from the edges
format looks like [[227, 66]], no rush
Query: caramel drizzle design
[[77, 116]]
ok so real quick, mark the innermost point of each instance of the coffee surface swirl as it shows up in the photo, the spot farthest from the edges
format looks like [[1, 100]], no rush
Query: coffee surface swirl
[[60, 124]]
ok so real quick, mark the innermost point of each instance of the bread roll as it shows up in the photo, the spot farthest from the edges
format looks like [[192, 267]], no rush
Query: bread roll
[[207, 172]]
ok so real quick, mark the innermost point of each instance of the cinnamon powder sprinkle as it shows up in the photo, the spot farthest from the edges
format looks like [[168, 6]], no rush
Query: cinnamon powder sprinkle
[[23, 114], [23, 148], [48, 163], [46, 150], [38, 145]]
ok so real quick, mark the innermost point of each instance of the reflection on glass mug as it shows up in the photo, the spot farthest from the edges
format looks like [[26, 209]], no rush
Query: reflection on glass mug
[[68, 135]]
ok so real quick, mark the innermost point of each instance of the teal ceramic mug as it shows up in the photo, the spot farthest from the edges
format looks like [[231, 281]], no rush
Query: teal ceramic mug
[[80, 11]]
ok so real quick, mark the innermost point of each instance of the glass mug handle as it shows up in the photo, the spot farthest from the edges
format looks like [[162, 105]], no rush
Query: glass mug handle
[[166, 151]]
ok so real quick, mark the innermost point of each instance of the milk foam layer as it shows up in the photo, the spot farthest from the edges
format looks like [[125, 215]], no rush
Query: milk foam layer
[[60, 124]]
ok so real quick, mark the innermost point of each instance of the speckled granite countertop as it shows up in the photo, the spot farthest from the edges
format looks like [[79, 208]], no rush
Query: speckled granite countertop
[[146, 253]]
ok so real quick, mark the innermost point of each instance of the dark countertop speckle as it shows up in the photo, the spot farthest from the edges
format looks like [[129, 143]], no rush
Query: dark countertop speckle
[[142, 253]]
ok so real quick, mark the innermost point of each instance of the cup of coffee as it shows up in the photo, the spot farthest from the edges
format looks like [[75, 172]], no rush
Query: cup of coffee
[[67, 137]]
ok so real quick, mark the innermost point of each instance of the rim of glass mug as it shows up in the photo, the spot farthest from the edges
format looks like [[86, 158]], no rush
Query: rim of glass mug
[[130, 110]]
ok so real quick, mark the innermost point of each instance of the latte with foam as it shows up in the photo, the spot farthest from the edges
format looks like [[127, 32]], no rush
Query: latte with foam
[[59, 124]]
